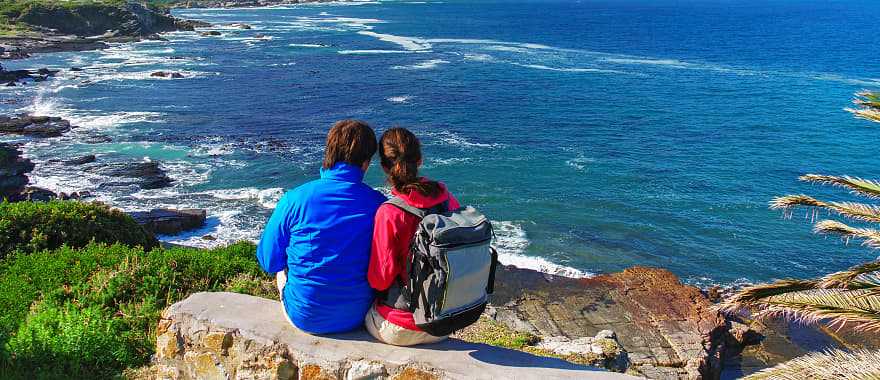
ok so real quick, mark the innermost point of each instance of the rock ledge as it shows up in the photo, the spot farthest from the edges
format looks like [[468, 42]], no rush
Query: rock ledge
[[236, 336]]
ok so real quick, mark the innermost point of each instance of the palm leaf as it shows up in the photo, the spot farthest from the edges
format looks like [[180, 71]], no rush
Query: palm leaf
[[852, 210], [869, 106], [871, 236], [857, 185], [860, 308], [863, 276], [832, 364], [756, 294]]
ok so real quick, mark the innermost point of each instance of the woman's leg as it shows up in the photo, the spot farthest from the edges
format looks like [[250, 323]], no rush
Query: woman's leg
[[389, 333], [280, 282]]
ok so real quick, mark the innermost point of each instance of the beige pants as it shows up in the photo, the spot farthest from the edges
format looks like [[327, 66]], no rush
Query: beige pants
[[389, 333], [280, 281]]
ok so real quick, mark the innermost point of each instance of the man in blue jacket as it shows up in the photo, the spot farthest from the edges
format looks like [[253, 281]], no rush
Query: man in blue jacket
[[318, 238]]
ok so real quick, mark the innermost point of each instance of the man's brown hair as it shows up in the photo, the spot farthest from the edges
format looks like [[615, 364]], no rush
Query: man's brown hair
[[351, 141]]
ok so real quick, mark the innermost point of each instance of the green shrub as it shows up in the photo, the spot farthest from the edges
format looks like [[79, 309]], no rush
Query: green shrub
[[93, 311], [34, 226]]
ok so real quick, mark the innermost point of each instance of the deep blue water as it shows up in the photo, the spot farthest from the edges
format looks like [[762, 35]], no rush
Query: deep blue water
[[597, 134]]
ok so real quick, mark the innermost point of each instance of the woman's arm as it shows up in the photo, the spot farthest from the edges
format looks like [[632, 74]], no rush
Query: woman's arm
[[272, 250], [384, 267]]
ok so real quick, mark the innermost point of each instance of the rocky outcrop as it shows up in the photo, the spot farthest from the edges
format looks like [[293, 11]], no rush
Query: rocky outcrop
[[668, 329], [13, 171], [170, 222], [235, 336], [146, 175], [36, 126]]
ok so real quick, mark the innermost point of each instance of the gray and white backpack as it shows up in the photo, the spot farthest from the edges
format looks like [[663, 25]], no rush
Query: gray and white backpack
[[451, 268]]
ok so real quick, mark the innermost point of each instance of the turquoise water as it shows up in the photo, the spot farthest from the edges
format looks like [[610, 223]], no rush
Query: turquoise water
[[596, 134]]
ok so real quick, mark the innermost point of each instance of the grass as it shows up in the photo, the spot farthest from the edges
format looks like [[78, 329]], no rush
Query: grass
[[93, 311], [35, 226]]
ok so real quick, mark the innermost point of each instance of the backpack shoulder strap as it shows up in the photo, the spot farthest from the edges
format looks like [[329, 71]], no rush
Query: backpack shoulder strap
[[401, 204], [419, 212]]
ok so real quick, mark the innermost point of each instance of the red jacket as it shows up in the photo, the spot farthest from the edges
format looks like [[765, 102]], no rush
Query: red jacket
[[392, 234]]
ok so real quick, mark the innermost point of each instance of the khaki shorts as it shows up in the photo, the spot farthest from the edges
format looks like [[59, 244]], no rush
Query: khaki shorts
[[280, 281], [389, 333]]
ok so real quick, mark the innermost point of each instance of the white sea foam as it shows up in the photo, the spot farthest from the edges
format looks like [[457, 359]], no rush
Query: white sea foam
[[399, 99], [408, 43], [424, 65], [375, 51], [570, 69], [648, 61], [580, 162], [266, 198], [478, 57], [511, 242], [307, 45], [451, 138]]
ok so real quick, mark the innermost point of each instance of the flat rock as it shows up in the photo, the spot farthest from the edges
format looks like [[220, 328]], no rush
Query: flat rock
[[229, 335], [668, 329], [82, 160], [147, 175], [37, 126], [168, 221]]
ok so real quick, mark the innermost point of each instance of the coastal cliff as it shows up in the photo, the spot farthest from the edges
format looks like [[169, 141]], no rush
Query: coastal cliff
[[44, 26]]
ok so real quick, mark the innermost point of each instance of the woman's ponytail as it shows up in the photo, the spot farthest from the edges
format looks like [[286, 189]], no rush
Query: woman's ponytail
[[401, 153]]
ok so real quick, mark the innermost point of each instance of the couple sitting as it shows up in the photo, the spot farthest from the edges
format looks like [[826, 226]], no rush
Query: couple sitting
[[412, 269]]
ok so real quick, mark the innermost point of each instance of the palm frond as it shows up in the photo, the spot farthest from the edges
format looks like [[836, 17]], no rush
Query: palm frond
[[866, 187], [757, 294], [863, 276], [852, 210], [871, 236], [869, 106], [832, 364], [858, 308]]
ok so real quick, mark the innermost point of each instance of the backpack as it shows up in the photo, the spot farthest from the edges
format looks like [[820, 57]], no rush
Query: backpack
[[451, 268]]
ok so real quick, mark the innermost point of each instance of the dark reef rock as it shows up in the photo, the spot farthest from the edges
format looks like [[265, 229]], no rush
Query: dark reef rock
[[211, 33], [168, 221], [668, 329], [165, 74], [97, 139], [87, 159], [240, 25], [146, 175], [37, 126], [13, 171]]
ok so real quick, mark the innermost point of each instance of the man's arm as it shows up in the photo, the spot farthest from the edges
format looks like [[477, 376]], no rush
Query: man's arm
[[271, 252]]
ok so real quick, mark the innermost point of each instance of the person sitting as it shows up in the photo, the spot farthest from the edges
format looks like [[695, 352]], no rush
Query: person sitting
[[401, 157], [317, 241]]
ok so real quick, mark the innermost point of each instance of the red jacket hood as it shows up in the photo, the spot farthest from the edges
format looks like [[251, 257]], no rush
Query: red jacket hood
[[417, 199]]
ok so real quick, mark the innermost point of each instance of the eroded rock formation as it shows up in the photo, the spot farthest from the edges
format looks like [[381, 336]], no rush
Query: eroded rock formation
[[667, 328]]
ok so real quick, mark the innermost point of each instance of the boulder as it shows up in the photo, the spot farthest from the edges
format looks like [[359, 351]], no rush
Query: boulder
[[87, 159], [170, 222], [211, 33], [147, 175], [603, 350], [38, 194], [236, 336], [241, 25], [13, 171], [668, 329], [36, 126], [165, 74]]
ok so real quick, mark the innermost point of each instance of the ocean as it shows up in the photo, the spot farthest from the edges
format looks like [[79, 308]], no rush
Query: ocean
[[597, 135]]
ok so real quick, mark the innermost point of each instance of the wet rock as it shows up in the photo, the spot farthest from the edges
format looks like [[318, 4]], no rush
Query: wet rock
[[164, 74], [97, 139], [211, 33], [170, 222], [87, 159], [75, 69], [209, 238], [13, 170], [241, 26], [36, 126], [147, 175], [38, 194], [668, 329]]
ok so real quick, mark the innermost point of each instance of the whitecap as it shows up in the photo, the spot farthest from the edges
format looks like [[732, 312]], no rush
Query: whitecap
[[374, 51], [451, 138], [399, 99], [408, 43], [511, 242], [424, 65], [266, 198]]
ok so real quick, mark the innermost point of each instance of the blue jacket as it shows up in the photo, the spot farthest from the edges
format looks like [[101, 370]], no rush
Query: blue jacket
[[321, 233]]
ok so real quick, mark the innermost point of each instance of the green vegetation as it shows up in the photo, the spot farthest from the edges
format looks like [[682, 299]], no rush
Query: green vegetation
[[35, 226], [848, 298], [93, 311]]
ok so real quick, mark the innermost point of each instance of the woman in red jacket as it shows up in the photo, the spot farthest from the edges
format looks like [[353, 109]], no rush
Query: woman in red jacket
[[401, 157]]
